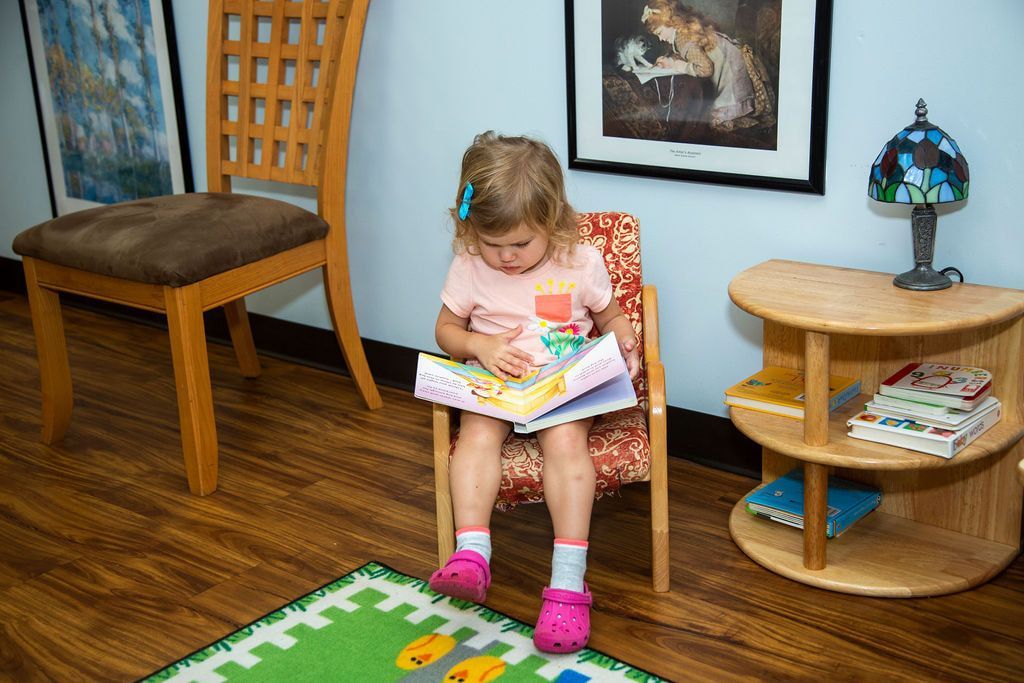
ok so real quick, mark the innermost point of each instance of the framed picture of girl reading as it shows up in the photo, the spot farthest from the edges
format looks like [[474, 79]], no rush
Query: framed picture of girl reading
[[721, 91]]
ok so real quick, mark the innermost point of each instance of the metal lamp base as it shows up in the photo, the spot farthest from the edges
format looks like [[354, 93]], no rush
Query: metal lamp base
[[923, 277]]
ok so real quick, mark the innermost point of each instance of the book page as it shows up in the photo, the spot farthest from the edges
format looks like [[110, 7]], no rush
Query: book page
[[460, 386], [615, 394]]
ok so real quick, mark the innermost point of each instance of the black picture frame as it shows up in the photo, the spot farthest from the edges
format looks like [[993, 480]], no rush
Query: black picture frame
[[614, 119], [109, 102]]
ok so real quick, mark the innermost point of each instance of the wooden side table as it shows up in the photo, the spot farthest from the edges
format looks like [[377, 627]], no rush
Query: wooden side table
[[944, 525]]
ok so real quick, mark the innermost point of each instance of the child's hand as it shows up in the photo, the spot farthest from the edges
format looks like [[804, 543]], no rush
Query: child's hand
[[629, 352], [496, 353]]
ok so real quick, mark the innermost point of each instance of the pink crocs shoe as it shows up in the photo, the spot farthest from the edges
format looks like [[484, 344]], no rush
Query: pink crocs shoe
[[465, 576], [564, 621]]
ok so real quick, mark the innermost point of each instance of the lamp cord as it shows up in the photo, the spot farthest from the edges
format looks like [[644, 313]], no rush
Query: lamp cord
[[951, 269]]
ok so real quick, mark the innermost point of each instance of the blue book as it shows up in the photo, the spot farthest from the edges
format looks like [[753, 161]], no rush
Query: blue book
[[783, 501]]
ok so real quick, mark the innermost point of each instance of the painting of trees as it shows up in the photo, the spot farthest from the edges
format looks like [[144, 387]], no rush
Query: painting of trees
[[104, 86]]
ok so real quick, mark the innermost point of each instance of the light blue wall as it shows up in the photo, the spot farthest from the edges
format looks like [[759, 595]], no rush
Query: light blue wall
[[23, 197], [435, 73]]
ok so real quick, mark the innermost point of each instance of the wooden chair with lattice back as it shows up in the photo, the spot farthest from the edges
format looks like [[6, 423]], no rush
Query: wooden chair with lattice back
[[280, 79], [626, 446]]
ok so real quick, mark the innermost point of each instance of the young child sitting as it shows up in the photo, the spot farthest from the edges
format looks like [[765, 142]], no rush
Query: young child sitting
[[521, 292]]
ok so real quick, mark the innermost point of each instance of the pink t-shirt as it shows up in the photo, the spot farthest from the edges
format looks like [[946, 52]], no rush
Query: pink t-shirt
[[553, 303]]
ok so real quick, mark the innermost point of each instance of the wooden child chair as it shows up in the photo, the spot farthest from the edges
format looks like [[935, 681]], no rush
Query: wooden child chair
[[278, 105], [626, 446]]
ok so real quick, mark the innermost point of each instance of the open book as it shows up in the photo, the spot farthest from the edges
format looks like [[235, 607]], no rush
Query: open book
[[591, 381], [645, 74]]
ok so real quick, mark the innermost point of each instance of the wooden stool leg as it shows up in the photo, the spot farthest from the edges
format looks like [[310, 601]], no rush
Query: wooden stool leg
[[442, 492], [192, 381], [241, 338], [659, 528], [343, 317], [51, 348]]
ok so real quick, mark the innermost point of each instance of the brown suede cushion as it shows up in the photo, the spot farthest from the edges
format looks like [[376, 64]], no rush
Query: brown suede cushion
[[173, 240]]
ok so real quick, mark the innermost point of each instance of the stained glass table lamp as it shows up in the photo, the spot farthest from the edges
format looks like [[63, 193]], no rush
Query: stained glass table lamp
[[923, 166]]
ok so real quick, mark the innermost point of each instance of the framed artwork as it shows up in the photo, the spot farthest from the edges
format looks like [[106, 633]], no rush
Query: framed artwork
[[108, 96], [719, 91]]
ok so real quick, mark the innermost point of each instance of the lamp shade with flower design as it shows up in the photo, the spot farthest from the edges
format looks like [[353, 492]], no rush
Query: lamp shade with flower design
[[920, 165]]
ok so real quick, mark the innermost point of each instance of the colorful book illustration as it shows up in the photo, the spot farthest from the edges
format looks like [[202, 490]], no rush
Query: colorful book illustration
[[783, 501], [591, 381], [953, 386], [917, 436], [780, 391]]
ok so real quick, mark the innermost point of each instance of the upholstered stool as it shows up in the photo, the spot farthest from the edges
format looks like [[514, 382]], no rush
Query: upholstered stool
[[173, 240]]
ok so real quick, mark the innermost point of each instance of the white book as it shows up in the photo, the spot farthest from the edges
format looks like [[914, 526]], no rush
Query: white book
[[906, 433], [955, 386], [954, 419], [921, 407]]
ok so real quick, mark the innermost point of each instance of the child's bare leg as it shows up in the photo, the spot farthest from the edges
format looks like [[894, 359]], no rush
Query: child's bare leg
[[475, 471], [569, 478], [474, 477], [563, 624]]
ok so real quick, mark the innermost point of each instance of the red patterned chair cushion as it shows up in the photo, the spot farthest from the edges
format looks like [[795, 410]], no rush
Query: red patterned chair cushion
[[619, 444], [617, 235]]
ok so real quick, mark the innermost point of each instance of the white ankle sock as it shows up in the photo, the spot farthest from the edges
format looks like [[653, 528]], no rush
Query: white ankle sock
[[568, 564], [475, 538]]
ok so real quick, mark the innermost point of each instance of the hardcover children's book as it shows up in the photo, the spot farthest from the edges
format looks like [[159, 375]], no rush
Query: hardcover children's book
[[950, 418], [954, 386], [783, 501], [780, 391], [591, 381], [918, 407], [916, 436]]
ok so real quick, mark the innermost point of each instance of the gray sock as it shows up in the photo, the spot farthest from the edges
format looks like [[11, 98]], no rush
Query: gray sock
[[476, 540], [568, 565]]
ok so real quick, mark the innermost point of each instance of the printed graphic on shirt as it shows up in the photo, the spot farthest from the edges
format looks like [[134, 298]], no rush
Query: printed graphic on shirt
[[553, 308]]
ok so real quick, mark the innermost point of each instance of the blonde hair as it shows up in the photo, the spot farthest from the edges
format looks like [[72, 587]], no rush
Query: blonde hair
[[516, 181], [688, 22]]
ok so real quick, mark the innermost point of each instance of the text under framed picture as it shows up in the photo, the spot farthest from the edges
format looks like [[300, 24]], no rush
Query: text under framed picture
[[716, 91], [109, 100]]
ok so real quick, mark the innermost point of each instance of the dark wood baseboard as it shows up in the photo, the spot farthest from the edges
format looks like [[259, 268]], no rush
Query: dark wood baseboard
[[706, 439]]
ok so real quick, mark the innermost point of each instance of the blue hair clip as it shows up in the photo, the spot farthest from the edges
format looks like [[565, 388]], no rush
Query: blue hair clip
[[467, 195]]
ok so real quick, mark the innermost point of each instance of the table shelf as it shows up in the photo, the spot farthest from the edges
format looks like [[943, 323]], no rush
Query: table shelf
[[786, 436], [881, 555], [944, 525], [835, 300]]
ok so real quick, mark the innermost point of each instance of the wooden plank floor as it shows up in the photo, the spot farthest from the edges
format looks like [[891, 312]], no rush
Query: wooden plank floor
[[110, 569]]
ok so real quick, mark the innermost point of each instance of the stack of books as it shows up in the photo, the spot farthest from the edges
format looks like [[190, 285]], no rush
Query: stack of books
[[783, 501], [931, 408], [780, 391]]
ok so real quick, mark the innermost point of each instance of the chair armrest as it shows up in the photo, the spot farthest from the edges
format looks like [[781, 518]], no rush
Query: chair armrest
[[656, 418], [442, 429], [658, 437], [655, 371], [649, 305]]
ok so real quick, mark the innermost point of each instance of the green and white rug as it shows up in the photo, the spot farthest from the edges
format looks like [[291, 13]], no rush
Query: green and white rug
[[376, 624]]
